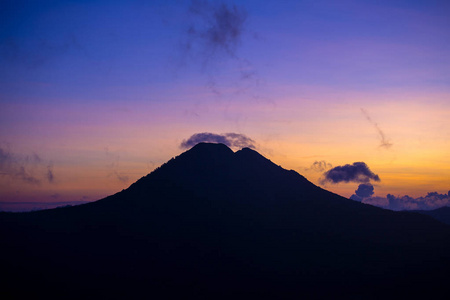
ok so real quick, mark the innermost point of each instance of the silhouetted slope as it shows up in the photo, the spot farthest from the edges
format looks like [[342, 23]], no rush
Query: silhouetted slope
[[441, 214], [215, 223]]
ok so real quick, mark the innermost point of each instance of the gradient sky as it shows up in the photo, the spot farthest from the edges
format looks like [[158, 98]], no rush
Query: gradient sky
[[96, 94]]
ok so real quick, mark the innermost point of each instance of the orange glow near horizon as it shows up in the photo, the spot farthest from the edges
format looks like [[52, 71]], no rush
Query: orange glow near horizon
[[106, 159]]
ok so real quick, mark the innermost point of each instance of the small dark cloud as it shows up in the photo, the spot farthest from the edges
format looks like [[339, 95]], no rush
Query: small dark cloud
[[319, 166], [357, 172], [364, 190], [384, 142], [232, 140]]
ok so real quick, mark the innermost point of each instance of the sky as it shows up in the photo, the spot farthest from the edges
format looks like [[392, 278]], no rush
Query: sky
[[354, 95]]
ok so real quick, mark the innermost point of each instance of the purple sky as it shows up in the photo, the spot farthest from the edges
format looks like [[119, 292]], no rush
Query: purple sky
[[96, 94]]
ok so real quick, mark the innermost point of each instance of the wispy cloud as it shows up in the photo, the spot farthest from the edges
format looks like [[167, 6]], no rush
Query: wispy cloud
[[216, 30], [121, 177], [384, 142], [114, 160], [28, 169], [213, 36], [319, 166]]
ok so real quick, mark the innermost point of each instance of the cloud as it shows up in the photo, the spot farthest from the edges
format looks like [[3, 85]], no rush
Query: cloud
[[232, 140], [319, 166], [218, 29], [432, 200], [114, 160], [375, 201], [121, 177], [356, 198], [384, 142], [23, 175], [357, 172], [364, 190], [18, 167], [213, 36], [5, 159]]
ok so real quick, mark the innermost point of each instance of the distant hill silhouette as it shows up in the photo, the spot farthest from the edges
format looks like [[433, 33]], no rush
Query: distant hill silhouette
[[441, 214], [213, 223]]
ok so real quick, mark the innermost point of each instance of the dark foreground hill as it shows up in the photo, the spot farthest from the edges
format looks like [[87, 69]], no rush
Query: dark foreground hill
[[212, 224]]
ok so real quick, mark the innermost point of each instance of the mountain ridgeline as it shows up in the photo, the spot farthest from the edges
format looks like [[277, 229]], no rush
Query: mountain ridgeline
[[215, 223]]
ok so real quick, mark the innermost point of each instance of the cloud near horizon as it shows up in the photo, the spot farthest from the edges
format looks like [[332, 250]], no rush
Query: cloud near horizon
[[25, 168], [364, 190], [432, 200], [357, 172], [232, 140]]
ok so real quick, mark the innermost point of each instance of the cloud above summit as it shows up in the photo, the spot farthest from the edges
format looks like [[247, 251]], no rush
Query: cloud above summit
[[213, 34], [357, 172], [217, 29], [232, 140]]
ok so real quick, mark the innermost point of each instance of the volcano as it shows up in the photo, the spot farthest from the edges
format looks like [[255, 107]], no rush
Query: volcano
[[213, 223]]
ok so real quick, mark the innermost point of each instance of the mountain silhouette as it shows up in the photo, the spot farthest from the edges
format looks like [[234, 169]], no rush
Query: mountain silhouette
[[213, 223], [441, 214]]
